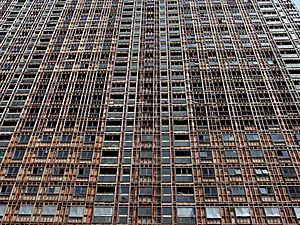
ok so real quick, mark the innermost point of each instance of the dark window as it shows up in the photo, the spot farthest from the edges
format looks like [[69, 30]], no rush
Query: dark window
[[144, 212], [66, 138], [84, 172], [185, 194], [18, 154], [47, 138], [294, 191], [32, 190], [37, 171], [42, 154], [284, 154], [86, 155], [62, 154], [211, 192], [204, 138], [89, 139], [289, 172], [6, 189], [208, 172], [80, 191], [24, 139], [12, 171], [53, 190], [183, 157], [57, 171]]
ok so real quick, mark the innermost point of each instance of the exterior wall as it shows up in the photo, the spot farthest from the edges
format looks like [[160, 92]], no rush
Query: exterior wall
[[149, 112]]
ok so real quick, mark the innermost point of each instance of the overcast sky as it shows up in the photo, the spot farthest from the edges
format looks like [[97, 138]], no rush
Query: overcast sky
[[297, 3]]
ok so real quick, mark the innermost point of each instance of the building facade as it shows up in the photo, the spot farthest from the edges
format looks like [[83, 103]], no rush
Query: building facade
[[149, 112]]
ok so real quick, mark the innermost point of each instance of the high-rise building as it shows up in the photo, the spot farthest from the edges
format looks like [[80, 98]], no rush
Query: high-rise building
[[149, 112]]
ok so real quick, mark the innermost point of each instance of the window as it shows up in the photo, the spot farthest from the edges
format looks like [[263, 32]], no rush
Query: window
[[261, 171], [123, 211], [111, 157], [6, 189], [252, 137], [297, 212], [86, 155], [234, 172], [185, 194], [76, 211], [145, 212], [213, 213], [66, 138], [24, 139], [256, 153], [272, 212], [186, 215], [103, 214], [183, 157], [62, 154], [37, 171], [18, 154], [12, 171], [242, 212], [58, 171], [210, 192], [25, 210], [206, 155], [2, 210], [228, 137], [167, 215], [105, 194], [32, 190], [204, 138], [47, 138], [146, 171], [147, 138], [265, 191], [238, 191], [283, 154], [80, 191], [208, 172], [289, 172], [84, 172], [277, 138], [53, 190], [294, 191], [2, 153], [231, 154], [42, 154], [89, 139], [146, 191], [48, 210], [146, 154], [184, 174]]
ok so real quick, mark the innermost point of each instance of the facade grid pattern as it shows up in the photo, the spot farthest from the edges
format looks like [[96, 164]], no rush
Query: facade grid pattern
[[149, 112]]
